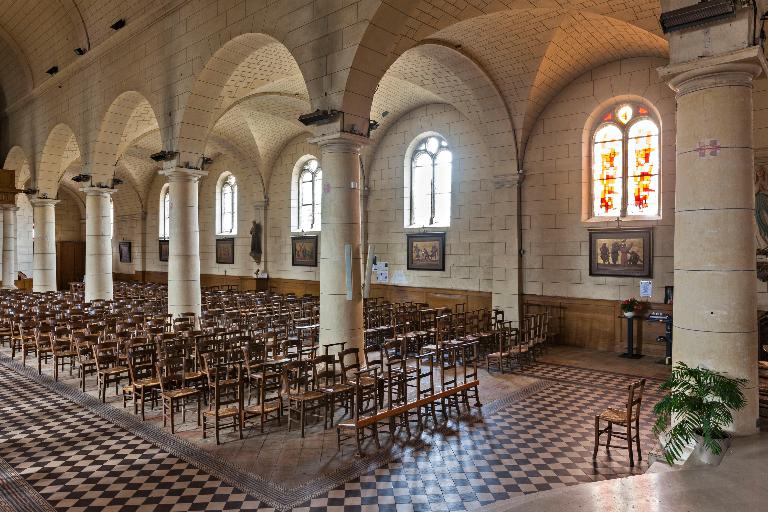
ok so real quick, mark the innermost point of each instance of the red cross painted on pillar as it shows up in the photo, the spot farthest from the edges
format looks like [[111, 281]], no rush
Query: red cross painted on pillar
[[711, 149]]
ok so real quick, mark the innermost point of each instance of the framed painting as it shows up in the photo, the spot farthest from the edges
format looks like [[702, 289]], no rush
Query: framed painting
[[225, 251], [621, 252], [304, 251], [163, 249], [426, 251], [124, 250]]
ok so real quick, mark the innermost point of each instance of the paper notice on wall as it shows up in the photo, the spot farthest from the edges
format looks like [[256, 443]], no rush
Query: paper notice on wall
[[381, 271], [646, 288], [398, 277]]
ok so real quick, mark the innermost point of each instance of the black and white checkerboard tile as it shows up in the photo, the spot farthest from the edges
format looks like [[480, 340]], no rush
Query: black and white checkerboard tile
[[538, 439]]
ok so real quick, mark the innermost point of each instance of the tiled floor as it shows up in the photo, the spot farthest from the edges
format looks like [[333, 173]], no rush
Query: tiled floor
[[535, 433]]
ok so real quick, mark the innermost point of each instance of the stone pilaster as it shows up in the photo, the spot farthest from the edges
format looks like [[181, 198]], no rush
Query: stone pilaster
[[505, 196]]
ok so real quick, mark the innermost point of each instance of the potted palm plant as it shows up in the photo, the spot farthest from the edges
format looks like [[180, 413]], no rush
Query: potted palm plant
[[701, 402]]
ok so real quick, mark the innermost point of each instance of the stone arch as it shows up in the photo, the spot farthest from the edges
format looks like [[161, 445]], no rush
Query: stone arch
[[17, 160], [470, 90], [230, 69], [60, 150], [129, 116]]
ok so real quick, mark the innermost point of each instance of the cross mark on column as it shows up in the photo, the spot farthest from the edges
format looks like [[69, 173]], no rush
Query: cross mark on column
[[711, 149]]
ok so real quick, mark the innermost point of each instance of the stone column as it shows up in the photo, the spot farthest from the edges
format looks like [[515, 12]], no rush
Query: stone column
[[44, 252], [9, 247], [715, 308], [341, 298], [184, 245], [98, 243]]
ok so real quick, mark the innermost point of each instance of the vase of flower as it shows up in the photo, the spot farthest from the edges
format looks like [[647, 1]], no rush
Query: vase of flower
[[629, 306]]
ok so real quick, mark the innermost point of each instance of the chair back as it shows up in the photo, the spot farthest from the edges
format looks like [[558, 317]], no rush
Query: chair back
[[635, 399]]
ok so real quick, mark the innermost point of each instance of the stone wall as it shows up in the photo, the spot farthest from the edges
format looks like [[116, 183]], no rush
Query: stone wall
[[555, 228]]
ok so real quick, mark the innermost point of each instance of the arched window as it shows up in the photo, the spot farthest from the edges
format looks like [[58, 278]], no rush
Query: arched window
[[310, 188], [226, 205], [428, 184], [625, 163], [165, 213]]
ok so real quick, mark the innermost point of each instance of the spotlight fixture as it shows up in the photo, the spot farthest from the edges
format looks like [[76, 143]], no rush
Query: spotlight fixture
[[318, 117], [80, 51], [372, 125], [118, 24], [53, 70], [116, 182], [163, 156], [29, 191], [81, 178], [696, 14]]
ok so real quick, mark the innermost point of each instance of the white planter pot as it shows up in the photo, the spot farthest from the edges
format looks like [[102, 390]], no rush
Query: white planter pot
[[702, 454], [629, 314]]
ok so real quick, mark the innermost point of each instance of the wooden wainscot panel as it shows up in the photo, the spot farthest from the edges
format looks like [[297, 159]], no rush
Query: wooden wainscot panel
[[298, 287], [435, 297], [596, 323]]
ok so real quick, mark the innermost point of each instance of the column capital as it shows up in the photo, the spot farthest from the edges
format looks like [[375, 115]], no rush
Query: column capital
[[341, 142], [737, 68], [11, 207], [98, 191], [183, 174], [43, 201]]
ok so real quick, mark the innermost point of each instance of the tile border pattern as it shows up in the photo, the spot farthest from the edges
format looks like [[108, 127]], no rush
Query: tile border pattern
[[24, 497], [267, 491]]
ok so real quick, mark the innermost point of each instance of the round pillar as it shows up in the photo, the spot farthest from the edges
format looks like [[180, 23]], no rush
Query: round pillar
[[44, 252], [341, 298], [98, 243], [715, 308], [184, 242], [9, 247]]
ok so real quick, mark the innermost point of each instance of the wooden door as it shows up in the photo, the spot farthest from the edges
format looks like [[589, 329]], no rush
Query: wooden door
[[70, 263]]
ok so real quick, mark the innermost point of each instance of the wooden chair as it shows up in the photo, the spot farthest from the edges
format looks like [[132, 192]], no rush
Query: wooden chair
[[62, 350], [628, 418], [330, 382], [302, 398], [174, 389], [506, 342], [365, 405], [142, 370], [227, 402], [270, 398], [108, 366]]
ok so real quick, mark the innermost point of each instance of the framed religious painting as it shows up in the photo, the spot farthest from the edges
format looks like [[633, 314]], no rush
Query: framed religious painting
[[621, 252], [225, 251], [124, 250], [304, 251], [163, 249], [426, 251]]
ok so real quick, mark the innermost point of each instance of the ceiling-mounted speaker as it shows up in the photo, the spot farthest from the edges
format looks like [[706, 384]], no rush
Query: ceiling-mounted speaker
[[701, 13], [118, 24]]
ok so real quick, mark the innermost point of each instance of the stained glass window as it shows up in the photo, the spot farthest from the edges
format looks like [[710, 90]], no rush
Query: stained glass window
[[430, 184], [165, 213], [625, 163], [227, 205], [310, 188]]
